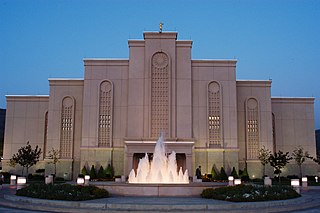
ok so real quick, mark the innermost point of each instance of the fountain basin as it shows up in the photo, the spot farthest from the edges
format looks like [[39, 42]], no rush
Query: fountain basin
[[157, 190]]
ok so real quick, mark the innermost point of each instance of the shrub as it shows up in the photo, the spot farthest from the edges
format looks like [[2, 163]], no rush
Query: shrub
[[93, 173], [84, 171], [36, 177], [40, 170], [101, 174], [109, 171], [62, 192], [214, 173], [59, 179], [234, 173], [223, 175], [250, 193], [245, 175]]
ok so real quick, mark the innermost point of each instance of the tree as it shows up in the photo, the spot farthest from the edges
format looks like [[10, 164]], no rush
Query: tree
[[223, 175], [245, 174], [101, 174], [26, 157], [84, 171], [234, 173], [109, 171], [300, 156], [278, 161], [54, 155], [263, 156], [214, 173], [93, 173]]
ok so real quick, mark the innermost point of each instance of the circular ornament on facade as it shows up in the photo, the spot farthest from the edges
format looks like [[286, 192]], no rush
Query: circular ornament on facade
[[67, 102], [252, 103], [160, 60], [105, 86], [214, 87]]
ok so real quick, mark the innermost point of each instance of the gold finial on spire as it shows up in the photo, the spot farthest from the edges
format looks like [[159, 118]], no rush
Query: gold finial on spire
[[160, 26]]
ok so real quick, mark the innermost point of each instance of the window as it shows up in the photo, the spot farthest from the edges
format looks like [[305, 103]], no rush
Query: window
[[45, 138], [214, 114], [105, 114], [252, 128], [160, 95], [67, 126]]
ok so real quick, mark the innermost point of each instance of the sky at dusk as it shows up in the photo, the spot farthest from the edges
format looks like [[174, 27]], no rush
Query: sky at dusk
[[273, 39]]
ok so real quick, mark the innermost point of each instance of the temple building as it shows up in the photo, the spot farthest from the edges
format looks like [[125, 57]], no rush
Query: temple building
[[115, 114]]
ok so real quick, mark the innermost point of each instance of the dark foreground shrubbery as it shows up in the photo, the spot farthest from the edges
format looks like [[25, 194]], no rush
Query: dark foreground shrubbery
[[62, 192], [250, 193]]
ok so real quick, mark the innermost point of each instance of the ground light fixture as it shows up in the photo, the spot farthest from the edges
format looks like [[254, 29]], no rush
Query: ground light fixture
[[296, 184], [80, 181], [231, 179]]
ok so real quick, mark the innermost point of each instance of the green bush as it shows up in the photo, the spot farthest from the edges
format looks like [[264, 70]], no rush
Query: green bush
[[234, 173], [223, 175], [93, 174], [214, 173], [109, 171], [101, 174], [250, 193], [84, 171], [245, 175], [62, 192]]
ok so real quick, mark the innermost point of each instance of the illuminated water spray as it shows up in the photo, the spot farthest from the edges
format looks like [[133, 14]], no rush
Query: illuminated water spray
[[162, 169]]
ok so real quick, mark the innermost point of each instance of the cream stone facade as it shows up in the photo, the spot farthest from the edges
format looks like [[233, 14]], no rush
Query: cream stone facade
[[116, 113]]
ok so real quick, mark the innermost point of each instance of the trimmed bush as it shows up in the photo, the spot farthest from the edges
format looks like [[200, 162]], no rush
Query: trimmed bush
[[250, 193], [223, 175], [109, 171], [101, 174], [234, 173], [62, 192], [214, 174], [245, 175], [93, 174], [84, 171]]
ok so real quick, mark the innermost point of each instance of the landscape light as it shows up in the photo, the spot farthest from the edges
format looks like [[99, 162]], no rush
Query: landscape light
[[295, 182], [22, 180], [80, 181], [237, 181]]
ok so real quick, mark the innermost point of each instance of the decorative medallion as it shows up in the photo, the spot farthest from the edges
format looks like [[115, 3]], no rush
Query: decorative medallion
[[214, 87], [67, 102], [252, 103], [160, 60], [105, 86]]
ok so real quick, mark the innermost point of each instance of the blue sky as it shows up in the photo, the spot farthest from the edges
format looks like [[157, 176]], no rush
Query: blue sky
[[273, 39]]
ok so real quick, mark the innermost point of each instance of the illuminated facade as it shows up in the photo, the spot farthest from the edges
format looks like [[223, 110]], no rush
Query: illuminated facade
[[116, 113]]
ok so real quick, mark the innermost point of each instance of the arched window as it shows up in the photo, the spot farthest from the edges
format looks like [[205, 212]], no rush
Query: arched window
[[105, 114], [252, 128], [274, 133], [45, 136], [160, 95], [214, 114], [67, 128]]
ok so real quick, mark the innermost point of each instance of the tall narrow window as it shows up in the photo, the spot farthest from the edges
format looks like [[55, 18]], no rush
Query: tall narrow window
[[67, 127], [274, 133], [214, 114], [160, 95], [252, 127], [105, 114], [45, 137]]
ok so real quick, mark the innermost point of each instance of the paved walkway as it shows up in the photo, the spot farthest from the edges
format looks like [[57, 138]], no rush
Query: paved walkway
[[309, 202]]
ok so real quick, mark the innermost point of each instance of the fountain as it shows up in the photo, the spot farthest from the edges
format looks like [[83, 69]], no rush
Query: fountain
[[162, 169]]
